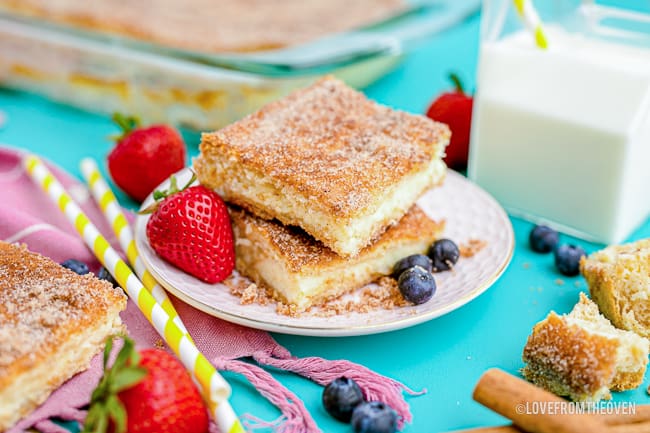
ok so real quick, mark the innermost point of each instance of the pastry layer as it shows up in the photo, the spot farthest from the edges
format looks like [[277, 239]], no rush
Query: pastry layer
[[328, 160], [619, 282], [303, 272], [52, 322], [583, 356]]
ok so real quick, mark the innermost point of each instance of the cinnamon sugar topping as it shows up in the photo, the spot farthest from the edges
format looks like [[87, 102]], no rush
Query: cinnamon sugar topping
[[328, 142], [40, 303]]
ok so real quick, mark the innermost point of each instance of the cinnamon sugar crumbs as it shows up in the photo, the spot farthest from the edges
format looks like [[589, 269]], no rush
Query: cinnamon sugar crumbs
[[382, 295], [249, 293], [472, 247]]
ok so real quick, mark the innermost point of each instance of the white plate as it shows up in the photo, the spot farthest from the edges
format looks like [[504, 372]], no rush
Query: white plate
[[469, 212]]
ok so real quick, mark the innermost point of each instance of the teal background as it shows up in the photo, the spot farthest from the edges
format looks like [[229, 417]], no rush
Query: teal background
[[446, 355]]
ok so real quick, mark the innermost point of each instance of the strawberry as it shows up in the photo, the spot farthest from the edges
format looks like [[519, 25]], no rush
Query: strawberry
[[191, 230], [144, 157], [145, 392], [454, 109]]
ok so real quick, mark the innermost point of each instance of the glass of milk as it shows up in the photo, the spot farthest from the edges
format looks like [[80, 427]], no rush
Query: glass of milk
[[562, 135]]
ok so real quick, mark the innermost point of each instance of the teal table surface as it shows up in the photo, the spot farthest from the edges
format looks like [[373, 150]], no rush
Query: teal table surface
[[446, 355]]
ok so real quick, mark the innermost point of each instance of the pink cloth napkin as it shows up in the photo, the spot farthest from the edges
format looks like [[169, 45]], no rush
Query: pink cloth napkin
[[28, 216]]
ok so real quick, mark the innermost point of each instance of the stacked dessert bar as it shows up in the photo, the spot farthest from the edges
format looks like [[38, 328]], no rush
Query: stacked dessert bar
[[323, 185]]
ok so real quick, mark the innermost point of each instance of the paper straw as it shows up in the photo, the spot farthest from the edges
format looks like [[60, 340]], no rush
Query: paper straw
[[112, 211], [530, 17], [215, 389]]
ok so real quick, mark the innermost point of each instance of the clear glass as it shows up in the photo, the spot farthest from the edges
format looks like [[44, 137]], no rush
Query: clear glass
[[562, 135]]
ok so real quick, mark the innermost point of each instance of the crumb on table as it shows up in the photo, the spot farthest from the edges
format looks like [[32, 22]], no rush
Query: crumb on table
[[471, 247]]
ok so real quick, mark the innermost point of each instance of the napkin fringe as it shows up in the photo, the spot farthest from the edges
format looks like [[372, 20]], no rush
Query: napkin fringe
[[295, 417], [375, 387]]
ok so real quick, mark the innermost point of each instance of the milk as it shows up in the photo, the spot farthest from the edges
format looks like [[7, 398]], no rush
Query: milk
[[563, 135]]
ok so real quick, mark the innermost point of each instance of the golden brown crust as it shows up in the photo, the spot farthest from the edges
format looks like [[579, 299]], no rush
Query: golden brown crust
[[624, 381], [560, 355], [304, 254], [327, 143], [203, 25], [42, 305]]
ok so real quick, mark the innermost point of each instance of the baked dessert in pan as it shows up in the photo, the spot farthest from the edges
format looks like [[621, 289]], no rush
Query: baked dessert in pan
[[210, 26]]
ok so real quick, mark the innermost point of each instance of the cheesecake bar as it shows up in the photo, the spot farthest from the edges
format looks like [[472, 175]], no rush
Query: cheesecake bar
[[328, 160], [52, 322], [303, 272], [581, 355], [619, 282]]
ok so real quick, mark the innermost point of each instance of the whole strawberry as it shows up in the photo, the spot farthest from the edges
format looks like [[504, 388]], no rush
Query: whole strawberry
[[146, 392], [191, 230], [454, 109], [144, 157]]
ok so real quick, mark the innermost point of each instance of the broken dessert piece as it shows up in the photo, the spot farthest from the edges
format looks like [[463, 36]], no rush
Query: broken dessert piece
[[619, 282], [326, 159], [52, 322], [303, 272], [582, 356]]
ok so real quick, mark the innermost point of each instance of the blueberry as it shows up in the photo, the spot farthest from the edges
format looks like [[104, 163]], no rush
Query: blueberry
[[408, 262], [543, 239], [76, 266], [340, 397], [374, 417], [417, 285], [444, 253], [105, 275], [567, 259]]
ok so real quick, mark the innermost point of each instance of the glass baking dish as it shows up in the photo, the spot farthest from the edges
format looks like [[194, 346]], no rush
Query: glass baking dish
[[202, 91]]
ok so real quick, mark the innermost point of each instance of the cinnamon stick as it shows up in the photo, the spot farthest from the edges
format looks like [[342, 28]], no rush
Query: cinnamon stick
[[511, 397], [639, 427], [641, 415]]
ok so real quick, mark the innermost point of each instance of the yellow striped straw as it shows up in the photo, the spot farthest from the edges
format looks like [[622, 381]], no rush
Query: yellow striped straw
[[527, 12], [215, 389], [112, 211]]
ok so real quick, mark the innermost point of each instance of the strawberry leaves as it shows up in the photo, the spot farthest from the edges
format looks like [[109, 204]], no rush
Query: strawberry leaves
[[105, 407], [126, 123], [159, 195]]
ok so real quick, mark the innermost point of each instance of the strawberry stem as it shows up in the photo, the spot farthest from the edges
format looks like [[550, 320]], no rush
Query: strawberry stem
[[458, 85], [159, 195], [105, 406], [126, 123]]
